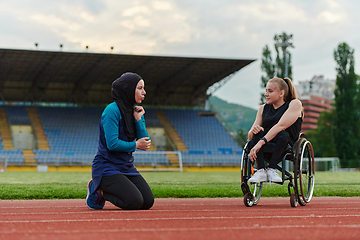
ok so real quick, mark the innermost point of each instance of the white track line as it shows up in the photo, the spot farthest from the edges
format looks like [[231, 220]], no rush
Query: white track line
[[173, 218], [181, 229], [247, 210], [240, 204]]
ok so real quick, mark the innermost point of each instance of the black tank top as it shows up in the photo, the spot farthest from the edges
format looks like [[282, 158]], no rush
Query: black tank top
[[271, 116]]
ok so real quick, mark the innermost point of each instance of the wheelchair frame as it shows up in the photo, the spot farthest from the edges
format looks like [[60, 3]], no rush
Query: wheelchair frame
[[300, 190]]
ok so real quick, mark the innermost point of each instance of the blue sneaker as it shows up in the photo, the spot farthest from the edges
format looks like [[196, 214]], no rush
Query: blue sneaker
[[94, 200]]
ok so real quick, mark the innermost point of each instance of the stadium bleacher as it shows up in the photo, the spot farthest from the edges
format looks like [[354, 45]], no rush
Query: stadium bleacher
[[72, 135], [206, 139], [17, 115], [64, 79]]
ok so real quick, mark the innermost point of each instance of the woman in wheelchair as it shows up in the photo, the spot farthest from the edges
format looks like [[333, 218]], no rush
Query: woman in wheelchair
[[277, 124]]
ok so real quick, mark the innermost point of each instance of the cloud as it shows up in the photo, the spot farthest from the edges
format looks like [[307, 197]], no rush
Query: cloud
[[136, 10], [55, 23], [330, 17], [161, 5], [138, 21], [226, 29]]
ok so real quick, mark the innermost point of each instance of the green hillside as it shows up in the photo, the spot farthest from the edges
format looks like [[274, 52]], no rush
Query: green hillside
[[235, 116]]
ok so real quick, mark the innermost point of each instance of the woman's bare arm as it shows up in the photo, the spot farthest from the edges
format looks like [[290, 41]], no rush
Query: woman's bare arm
[[288, 118], [257, 125]]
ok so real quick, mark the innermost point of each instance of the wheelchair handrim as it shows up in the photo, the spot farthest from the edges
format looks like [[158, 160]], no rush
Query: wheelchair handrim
[[257, 192], [311, 184], [242, 157]]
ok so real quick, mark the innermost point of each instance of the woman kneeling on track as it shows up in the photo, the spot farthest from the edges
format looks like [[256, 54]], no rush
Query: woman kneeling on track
[[114, 176], [277, 123]]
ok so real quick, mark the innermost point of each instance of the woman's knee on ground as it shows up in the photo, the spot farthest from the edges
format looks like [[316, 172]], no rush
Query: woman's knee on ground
[[148, 203], [133, 203]]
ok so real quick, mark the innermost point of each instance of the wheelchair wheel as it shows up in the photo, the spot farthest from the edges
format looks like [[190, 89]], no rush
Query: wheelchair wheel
[[304, 172], [252, 191], [252, 197], [293, 200]]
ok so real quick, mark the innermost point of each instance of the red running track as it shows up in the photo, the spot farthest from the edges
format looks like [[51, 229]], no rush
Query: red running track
[[221, 218]]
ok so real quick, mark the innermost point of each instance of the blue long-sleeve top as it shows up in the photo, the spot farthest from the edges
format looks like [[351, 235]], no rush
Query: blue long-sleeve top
[[114, 155], [111, 118]]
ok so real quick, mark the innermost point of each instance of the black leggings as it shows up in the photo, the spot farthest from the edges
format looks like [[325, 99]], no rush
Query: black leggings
[[276, 146], [127, 192]]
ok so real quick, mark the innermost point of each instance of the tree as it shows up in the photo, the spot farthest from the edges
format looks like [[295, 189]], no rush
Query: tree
[[241, 137], [357, 104], [283, 41], [278, 68], [346, 118], [322, 138], [268, 67]]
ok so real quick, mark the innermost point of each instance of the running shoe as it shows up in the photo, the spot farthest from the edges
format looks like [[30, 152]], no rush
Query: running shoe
[[94, 199], [273, 176], [259, 176]]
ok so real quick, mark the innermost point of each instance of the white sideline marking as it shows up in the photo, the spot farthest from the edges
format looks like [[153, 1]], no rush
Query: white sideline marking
[[255, 227], [254, 210], [175, 218], [334, 202]]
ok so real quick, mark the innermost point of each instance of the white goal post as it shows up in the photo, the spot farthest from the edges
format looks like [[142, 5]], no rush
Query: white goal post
[[321, 164], [3, 164], [327, 164]]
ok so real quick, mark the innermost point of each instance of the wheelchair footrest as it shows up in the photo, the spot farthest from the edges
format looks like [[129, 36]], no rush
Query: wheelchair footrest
[[280, 183]]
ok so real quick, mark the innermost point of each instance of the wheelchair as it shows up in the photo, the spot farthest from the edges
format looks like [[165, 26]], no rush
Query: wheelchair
[[301, 180]]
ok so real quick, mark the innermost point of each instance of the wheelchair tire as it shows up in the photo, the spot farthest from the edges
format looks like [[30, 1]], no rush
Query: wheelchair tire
[[255, 191], [249, 200], [304, 171], [293, 200], [302, 203], [252, 191]]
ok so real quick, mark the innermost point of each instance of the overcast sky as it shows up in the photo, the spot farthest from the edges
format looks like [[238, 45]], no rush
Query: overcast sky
[[233, 29]]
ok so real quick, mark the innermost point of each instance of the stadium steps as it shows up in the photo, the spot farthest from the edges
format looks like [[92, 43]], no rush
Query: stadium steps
[[169, 129], [43, 144], [173, 159], [174, 136], [152, 148], [5, 131], [29, 158]]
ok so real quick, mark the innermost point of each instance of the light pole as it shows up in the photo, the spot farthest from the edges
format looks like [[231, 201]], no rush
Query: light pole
[[284, 42]]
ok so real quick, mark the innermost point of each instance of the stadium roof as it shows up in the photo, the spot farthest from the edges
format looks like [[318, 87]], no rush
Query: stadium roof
[[82, 78]]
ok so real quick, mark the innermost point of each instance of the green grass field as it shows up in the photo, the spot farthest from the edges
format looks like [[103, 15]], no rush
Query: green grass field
[[67, 185]]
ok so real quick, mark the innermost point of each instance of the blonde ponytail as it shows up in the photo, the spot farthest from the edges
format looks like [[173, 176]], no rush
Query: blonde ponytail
[[286, 85]]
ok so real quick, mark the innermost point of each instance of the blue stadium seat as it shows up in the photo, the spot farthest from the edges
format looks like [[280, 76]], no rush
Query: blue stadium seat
[[72, 134], [205, 138]]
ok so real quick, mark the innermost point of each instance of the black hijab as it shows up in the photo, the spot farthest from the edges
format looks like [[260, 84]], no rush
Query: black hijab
[[123, 93]]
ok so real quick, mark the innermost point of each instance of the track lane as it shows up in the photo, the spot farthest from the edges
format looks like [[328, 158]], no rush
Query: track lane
[[322, 218]]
